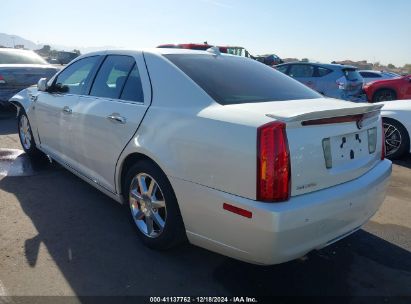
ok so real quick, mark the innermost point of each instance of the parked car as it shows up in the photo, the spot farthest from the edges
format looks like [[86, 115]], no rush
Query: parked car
[[331, 80], [271, 60], [397, 126], [20, 69], [235, 156], [389, 89], [371, 75], [233, 50]]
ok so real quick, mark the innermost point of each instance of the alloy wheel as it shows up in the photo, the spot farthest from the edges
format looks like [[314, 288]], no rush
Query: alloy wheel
[[393, 139], [147, 205], [25, 132]]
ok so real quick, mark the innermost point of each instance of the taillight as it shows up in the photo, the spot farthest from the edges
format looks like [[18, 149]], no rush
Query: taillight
[[273, 163], [383, 141], [2, 79]]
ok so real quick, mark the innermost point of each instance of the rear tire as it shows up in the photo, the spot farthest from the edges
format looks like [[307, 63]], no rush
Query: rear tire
[[384, 95], [27, 138], [155, 214], [397, 139]]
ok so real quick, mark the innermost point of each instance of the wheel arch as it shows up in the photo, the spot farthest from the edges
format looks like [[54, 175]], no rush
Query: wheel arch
[[384, 88], [390, 118], [126, 163]]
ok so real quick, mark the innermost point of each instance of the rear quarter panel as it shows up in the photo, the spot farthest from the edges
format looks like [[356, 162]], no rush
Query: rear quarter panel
[[192, 138]]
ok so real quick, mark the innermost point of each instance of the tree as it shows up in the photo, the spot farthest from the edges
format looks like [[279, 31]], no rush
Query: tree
[[391, 66], [407, 67], [77, 52]]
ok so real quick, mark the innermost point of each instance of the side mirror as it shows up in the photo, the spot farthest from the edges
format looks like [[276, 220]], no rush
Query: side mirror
[[42, 85]]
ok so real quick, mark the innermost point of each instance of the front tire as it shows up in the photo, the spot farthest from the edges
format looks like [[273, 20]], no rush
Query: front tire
[[26, 137], [153, 206], [397, 139], [384, 95]]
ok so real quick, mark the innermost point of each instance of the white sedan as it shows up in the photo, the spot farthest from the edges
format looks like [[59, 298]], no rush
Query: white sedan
[[217, 149], [397, 125]]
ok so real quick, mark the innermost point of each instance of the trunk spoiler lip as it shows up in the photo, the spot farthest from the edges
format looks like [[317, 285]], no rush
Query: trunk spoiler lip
[[324, 114]]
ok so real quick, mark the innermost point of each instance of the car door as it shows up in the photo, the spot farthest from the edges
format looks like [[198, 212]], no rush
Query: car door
[[303, 73], [53, 109], [109, 116]]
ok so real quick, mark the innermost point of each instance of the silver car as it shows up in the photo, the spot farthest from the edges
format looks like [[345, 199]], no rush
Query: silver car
[[371, 75], [331, 80], [219, 150]]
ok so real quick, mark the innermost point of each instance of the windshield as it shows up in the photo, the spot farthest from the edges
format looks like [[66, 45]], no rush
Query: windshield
[[234, 80], [352, 75], [20, 57]]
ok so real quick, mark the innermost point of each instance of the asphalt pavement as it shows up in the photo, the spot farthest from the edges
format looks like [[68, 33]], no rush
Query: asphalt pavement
[[60, 236]]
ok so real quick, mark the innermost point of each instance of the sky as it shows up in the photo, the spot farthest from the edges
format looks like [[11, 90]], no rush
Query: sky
[[321, 30]]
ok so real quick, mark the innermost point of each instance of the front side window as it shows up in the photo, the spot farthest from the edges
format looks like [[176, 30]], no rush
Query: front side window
[[112, 76], [301, 71], [75, 78], [235, 80]]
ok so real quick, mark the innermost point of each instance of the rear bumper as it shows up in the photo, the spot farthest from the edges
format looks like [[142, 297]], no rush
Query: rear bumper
[[279, 232]]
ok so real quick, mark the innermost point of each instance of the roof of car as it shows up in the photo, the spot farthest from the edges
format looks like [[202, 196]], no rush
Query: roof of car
[[325, 65], [159, 51]]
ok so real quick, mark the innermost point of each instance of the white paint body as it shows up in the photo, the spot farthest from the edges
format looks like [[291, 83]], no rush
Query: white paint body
[[208, 152], [399, 110]]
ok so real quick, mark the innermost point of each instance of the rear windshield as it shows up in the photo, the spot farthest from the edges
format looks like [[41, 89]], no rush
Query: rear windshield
[[20, 57], [235, 80], [352, 74]]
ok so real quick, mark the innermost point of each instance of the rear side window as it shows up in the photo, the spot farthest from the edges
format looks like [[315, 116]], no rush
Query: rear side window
[[301, 70], [370, 75], [323, 71], [133, 89], [352, 74], [234, 80], [112, 76]]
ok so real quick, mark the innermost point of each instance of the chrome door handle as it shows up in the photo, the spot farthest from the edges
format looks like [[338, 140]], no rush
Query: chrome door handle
[[117, 118], [67, 110]]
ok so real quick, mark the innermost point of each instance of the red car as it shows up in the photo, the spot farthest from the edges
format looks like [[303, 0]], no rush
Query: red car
[[389, 89]]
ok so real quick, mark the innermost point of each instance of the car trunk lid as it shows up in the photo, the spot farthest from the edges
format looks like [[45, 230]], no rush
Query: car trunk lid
[[330, 141], [331, 146]]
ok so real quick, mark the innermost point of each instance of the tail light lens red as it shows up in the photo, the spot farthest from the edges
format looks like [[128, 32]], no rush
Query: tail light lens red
[[383, 141], [273, 163], [2, 79]]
